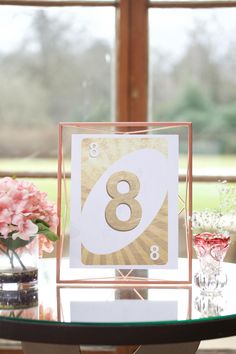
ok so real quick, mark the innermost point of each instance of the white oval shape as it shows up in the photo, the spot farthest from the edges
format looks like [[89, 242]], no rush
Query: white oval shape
[[150, 166], [123, 212]]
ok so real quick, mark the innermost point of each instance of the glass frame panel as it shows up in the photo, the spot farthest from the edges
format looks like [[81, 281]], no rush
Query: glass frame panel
[[108, 276]]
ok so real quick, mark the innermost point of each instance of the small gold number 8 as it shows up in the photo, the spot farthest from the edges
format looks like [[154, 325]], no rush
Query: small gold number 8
[[93, 150], [154, 252], [123, 198]]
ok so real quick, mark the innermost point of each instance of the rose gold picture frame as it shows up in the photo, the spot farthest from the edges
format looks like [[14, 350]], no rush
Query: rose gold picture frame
[[65, 275]]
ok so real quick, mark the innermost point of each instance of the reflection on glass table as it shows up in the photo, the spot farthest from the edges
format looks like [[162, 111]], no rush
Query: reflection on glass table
[[121, 315]]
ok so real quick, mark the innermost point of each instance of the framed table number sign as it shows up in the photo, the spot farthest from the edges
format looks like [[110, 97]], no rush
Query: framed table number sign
[[120, 203], [124, 208]]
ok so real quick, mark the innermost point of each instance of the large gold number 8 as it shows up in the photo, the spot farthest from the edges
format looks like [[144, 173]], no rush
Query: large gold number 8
[[123, 198]]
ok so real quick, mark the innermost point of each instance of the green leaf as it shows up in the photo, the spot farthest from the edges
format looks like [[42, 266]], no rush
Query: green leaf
[[39, 221], [43, 229], [14, 244]]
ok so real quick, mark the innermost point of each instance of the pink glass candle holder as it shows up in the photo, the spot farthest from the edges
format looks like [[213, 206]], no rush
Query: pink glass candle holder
[[211, 249]]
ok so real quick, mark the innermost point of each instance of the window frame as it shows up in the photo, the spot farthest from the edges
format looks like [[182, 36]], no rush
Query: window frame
[[131, 55], [132, 46]]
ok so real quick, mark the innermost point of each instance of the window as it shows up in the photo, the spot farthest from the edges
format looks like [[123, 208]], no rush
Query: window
[[57, 64], [128, 60], [191, 73], [191, 66]]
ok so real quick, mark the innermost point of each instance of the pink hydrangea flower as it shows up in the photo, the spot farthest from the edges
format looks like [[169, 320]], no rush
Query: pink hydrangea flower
[[22, 207], [26, 229]]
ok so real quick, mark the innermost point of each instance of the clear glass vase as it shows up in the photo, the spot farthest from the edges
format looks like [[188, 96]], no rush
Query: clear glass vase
[[19, 267], [30, 313], [210, 304], [211, 249]]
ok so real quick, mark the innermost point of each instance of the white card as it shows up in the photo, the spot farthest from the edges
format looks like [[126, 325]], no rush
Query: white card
[[124, 201]]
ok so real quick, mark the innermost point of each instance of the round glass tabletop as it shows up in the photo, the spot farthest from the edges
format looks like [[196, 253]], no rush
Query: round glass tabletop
[[119, 315]]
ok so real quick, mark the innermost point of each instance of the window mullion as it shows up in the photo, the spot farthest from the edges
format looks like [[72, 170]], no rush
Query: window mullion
[[132, 62]]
